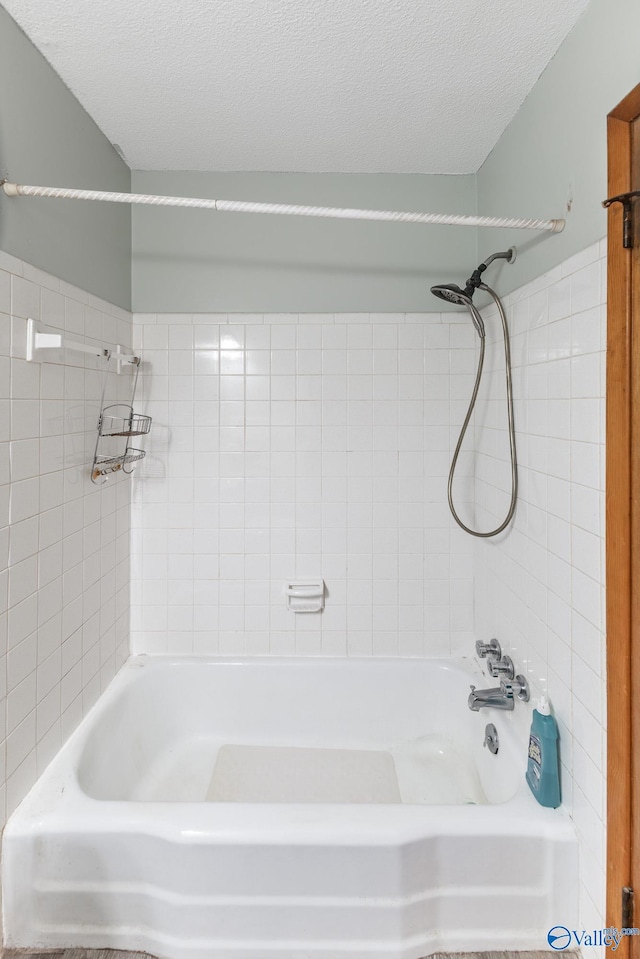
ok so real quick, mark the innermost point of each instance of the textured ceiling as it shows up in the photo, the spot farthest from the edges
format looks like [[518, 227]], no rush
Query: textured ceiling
[[350, 86]]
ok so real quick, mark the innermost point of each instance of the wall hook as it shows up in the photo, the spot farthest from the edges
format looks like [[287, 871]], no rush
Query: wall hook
[[627, 215]]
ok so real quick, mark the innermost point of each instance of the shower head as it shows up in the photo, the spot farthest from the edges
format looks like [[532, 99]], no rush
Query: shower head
[[453, 294]]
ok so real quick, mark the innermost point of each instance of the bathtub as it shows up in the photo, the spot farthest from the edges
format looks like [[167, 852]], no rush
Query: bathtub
[[182, 818]]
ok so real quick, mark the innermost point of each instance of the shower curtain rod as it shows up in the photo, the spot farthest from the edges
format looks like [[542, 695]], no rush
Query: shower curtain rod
[[240, 206]]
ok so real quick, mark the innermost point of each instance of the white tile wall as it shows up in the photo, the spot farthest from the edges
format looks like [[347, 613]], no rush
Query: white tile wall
[[64, 543], [311, 445], [540, 587]]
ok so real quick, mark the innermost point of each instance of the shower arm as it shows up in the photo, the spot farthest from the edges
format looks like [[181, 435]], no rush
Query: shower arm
[[475, 280], [241, 206], [508, 255]]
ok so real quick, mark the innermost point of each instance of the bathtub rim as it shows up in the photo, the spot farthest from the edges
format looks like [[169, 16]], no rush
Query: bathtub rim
[[57, 793]]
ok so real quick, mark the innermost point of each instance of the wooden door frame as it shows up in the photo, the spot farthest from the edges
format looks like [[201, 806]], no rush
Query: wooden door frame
[[622, 525]]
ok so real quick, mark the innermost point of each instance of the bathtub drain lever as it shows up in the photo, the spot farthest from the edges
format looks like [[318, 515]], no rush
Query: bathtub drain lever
[[491, 740]]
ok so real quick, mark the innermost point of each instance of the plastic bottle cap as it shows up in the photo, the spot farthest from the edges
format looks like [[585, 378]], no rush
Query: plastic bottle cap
[[543, 706]]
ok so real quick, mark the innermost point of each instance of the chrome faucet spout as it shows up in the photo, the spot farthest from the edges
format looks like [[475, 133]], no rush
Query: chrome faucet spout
[[494, 698]]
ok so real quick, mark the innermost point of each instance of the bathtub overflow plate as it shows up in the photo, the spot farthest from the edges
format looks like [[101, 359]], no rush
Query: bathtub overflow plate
[[491, 738]]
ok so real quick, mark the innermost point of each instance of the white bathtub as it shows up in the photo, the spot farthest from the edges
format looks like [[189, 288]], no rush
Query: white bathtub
[[117, 845]]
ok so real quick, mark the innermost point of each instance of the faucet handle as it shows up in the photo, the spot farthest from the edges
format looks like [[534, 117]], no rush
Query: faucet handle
[[502, 667], [517, 688], [491, 650]]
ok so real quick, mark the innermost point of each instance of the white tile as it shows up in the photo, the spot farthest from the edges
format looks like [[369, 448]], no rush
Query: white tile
[[25, 298], [21, 661], [560, 300], [25, 419], [585, 376], [23, 580], [588, 330], [33, 503], [22, 620], [25, 459], [585, 288], [21, 701], [23, 540], [586, 507]]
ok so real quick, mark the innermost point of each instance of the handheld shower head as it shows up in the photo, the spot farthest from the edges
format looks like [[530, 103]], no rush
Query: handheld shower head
[[453, 294]]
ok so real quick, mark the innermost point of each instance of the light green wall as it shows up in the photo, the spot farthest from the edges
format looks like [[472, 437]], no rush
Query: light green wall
[[199, 261], [554, 152], [551, 157], [47, 138]]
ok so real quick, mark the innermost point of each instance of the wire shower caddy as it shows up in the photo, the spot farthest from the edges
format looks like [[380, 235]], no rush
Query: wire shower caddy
[[119, 420]]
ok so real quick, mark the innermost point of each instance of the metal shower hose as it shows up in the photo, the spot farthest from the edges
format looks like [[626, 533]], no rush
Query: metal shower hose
[[512, 434]]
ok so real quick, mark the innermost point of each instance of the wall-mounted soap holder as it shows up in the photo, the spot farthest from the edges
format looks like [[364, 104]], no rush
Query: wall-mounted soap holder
[[305, 596]]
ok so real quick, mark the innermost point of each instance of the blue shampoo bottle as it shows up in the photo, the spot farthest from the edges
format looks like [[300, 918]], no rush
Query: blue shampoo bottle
[[543, 765]]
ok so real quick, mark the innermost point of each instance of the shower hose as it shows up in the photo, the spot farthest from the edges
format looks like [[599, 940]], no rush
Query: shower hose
[[512, 434]]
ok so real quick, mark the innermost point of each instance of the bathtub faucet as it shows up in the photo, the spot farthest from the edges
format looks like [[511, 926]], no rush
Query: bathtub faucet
[[483, 698], [499, 697]]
